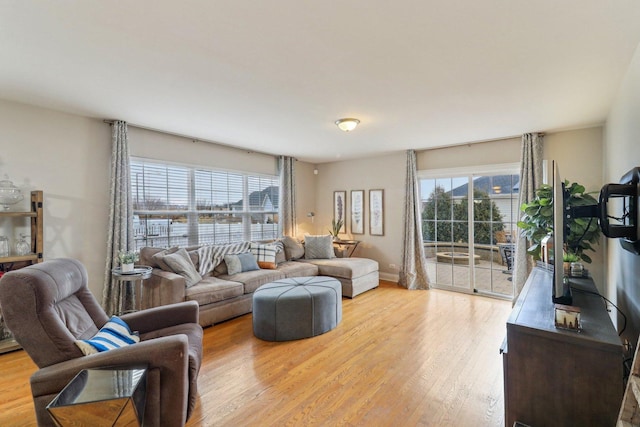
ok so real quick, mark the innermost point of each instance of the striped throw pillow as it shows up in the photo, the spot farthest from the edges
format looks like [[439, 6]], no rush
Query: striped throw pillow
[[114, 334]]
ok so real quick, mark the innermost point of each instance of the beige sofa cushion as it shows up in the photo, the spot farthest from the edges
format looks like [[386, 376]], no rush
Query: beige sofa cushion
[[213, 289], [293, 249], [147, 256], [252, 280], [297, 269], [345, 268], [180, 263], [318, 247]]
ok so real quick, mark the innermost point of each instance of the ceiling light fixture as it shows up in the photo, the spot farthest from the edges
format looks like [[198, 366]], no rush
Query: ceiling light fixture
[[347, 125]]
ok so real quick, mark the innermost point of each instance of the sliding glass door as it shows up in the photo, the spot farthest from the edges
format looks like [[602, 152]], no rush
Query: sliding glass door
[[468, 222]]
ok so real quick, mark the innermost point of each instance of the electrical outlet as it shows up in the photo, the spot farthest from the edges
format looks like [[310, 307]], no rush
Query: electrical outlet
[[393, 266]]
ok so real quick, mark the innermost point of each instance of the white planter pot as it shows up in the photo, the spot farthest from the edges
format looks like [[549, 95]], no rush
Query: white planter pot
[[127, 268]]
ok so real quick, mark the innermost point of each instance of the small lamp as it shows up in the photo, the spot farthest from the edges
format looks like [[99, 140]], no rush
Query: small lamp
[[347, 124]]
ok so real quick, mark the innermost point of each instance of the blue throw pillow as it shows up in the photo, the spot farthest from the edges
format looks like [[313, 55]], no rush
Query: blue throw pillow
[[240, 263], [114, 334]]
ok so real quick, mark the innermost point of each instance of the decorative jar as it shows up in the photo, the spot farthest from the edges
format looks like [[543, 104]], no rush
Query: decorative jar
[[22, 247], [4, 246], [9, 194]]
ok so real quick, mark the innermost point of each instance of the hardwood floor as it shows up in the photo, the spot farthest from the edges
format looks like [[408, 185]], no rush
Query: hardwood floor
[[427, 358]]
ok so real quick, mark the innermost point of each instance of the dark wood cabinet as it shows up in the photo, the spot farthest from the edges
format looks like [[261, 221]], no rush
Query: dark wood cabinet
[[556, 377]]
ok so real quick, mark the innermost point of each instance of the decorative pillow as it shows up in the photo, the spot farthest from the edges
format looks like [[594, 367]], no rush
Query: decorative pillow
[[265, 255], [180, 263], [292, 248], [221, 269], [114, 334], [318, 247], [239, 263], [159, 258], [280, 253], [212, 255]]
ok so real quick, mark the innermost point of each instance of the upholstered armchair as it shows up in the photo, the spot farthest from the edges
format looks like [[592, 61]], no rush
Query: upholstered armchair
[[48, 307]]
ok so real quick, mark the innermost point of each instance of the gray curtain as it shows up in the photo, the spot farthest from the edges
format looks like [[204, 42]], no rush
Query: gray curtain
[[530, 179], [287, 203], [120, 231], [413, 274]]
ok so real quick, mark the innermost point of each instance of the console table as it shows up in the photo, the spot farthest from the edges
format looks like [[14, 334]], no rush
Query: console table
[[556, 377]]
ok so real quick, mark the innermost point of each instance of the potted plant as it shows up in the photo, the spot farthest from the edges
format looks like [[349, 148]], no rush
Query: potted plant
[[537, 222], [336, 226], [127, 260], [567, 259]]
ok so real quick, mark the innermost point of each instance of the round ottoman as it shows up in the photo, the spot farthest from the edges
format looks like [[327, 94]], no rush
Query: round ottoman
[[298, 307]]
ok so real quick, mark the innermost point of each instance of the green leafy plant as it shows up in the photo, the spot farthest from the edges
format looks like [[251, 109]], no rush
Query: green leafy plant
[[537, 222], [570, 257], [336, 226], [128, 257], [439, 225]]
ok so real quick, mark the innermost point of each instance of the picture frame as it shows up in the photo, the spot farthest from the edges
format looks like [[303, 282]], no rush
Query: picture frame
[[357, 211], [340, 208], [376, 212]]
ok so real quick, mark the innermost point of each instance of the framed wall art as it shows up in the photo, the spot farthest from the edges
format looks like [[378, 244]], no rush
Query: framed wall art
[[376, 212], [357, 211], [340, 209]]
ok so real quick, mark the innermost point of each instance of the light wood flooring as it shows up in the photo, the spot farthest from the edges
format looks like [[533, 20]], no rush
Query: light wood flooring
[[410, 358]]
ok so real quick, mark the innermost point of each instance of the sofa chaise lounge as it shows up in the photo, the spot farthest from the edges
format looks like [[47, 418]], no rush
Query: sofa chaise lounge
[[222, 296]]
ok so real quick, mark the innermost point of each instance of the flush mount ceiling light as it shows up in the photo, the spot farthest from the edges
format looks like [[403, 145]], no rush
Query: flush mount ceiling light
[[347, 125]]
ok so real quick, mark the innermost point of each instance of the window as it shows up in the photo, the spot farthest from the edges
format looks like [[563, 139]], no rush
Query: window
[[177, 205], [469, 219]]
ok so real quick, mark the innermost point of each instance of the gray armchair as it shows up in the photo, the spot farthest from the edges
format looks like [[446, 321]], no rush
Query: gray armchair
[[48, 307]]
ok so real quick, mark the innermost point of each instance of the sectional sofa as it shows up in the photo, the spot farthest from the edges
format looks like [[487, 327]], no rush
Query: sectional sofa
[[222, 296]]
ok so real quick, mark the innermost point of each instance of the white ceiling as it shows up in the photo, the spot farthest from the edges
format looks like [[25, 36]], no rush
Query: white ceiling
[[274, 75]]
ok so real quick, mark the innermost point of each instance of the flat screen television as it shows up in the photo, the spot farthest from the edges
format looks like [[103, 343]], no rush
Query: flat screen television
[[561, 289]]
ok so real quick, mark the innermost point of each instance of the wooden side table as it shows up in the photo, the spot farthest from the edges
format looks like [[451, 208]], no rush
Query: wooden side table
[[102, 397], [131, 283]]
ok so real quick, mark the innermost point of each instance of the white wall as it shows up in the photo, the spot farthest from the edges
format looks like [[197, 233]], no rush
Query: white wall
[[622, 153], [67, 157], [385, 172], [465, 155], [162, 146]]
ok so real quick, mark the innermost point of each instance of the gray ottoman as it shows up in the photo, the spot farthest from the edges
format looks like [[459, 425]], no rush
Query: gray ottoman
[[298, 307]]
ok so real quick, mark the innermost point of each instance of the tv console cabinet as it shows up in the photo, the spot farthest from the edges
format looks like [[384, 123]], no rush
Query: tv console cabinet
[[557, 377]]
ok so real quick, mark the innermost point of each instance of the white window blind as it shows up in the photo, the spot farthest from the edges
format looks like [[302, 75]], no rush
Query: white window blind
[[178, 205]]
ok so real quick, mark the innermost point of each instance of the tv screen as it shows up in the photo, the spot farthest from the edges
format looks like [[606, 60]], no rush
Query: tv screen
[[561, 292]]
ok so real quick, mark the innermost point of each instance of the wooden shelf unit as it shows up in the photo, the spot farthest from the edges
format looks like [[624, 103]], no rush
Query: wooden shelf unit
[[14, 262], [35, 215]]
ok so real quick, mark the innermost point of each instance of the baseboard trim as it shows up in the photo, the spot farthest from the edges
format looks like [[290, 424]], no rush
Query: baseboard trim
[[389, 277]]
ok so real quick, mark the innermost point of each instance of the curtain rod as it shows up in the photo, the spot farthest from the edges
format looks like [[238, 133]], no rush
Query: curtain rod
[[111, 121], [470, 143]]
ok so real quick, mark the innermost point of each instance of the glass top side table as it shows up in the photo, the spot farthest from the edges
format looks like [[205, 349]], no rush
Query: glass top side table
[[102, 397], [131, 287]]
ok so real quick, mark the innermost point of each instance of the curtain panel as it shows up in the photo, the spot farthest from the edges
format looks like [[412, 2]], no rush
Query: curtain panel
[[120, 227], [530, 179], [287, 203], [413, 274]]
